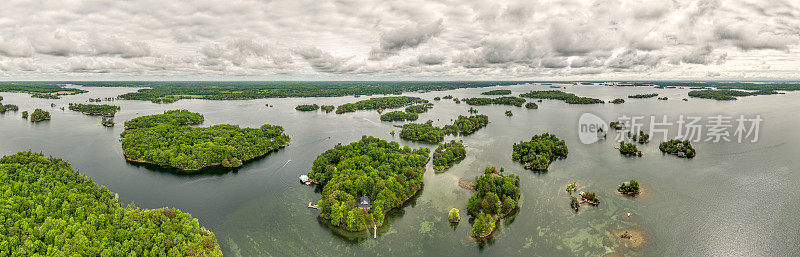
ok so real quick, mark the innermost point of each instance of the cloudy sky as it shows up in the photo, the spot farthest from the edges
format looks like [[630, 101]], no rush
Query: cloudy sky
[[409, 39]]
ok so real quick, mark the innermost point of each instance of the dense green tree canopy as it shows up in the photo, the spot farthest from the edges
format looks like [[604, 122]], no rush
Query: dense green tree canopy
[[379, 103], [618, 101], [631, 187], [380, 170], [399, 116], [540, 151], [560, 95], [8, 107], [193, 148], [643, 95], [173, 117], [727, 94], [531, 106], [39, 89], [681, 148], [40, 115], [497, 92], [328, 108], [428, 133], [505, 100], [95, 109], [419, 108], [495, 195], [49, 209], [628, 149], [307, 107], [447, 154]]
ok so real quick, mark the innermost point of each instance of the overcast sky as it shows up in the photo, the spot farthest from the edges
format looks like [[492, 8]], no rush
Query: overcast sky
[[409, 39]]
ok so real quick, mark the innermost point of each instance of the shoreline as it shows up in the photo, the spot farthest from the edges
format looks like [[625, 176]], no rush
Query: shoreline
[[215, 165]]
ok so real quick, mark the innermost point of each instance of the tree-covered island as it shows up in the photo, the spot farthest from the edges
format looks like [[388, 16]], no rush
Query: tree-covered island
[[531, 106], [95, 109], [727, 94], [618, 101], [166, 140], [8, 107], [426, 132], [419, 108], [540, 151], [380, 103], [561, 95], [629, 188], [50, 209], [497, 92], [39, 115], [328, 108], [496, 197], [447, 154], [629, 149], [505, 100], [307, 107], [382, 173], [643, 95], [680, 148], [399, 116]]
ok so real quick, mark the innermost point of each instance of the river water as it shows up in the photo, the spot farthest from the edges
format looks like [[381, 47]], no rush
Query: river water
[[737, 199]]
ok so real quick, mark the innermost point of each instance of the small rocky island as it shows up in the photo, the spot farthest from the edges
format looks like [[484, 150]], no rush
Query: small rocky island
[[680, 148], [495, 198]]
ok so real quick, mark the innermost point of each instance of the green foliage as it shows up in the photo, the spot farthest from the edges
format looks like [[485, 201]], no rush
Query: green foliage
[[506, 100], [39, 89], [24, 114], [484, 224], [631, 187], [677, 147], [173, 117], [453, 215], [574, 203], [39, 115], [590, 197], [628, 149], [383, 171], [307, 107], [108, 122], [618, 101], [560, 95], [643, 95], [419, 108], [643, 137], [447, 154], [540, 151], [50, 209], [725, 95], [509, 113], [328, 108], [8, 107], [399, 116], [428, 133], [445, 97], [191, 148], [531, 106], [490, 188], [616, 125], [389, 102], [666, 98], [437, 98], [497, 92], [95, 109]]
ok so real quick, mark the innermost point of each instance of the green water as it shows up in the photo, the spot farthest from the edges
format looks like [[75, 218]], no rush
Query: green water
[[731, 200]]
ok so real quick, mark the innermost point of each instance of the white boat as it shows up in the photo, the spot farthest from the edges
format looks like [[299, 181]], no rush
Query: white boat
[[305, 179]]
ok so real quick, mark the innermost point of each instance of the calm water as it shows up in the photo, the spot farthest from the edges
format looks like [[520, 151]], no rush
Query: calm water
[[732, 199]]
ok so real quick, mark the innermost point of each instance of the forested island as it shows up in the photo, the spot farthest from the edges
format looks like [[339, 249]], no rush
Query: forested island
[[53, 210], [508, 113], [8, 107], [107, 122], [531, 106], [495, 197], [39, 115], [560, 95], [379, 103], [419, 108], [328, 108], [399, 116], [95, 109], [447, 154], [173, 117], [497, 92], [629, 149], [629, 188], [506, 100], [643, 95], [160, 141], [307, 107], [167, 92], [618, 101], [426, 132], [540, 151], [39, 89], [680, 148], [727, 95], [380, 171]]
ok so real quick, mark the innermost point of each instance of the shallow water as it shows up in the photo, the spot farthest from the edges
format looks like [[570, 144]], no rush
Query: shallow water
[[732, 199]]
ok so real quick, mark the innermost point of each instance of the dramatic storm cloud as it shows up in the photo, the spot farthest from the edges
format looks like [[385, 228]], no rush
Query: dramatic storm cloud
[[358, 39]]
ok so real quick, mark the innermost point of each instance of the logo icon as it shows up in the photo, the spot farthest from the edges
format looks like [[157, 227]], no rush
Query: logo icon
[[591, 128]]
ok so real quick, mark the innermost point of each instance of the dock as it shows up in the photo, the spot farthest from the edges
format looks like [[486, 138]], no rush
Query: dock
[[312, 205]]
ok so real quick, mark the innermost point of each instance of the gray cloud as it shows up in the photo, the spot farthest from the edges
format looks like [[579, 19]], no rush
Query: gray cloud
[[408, 36]]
